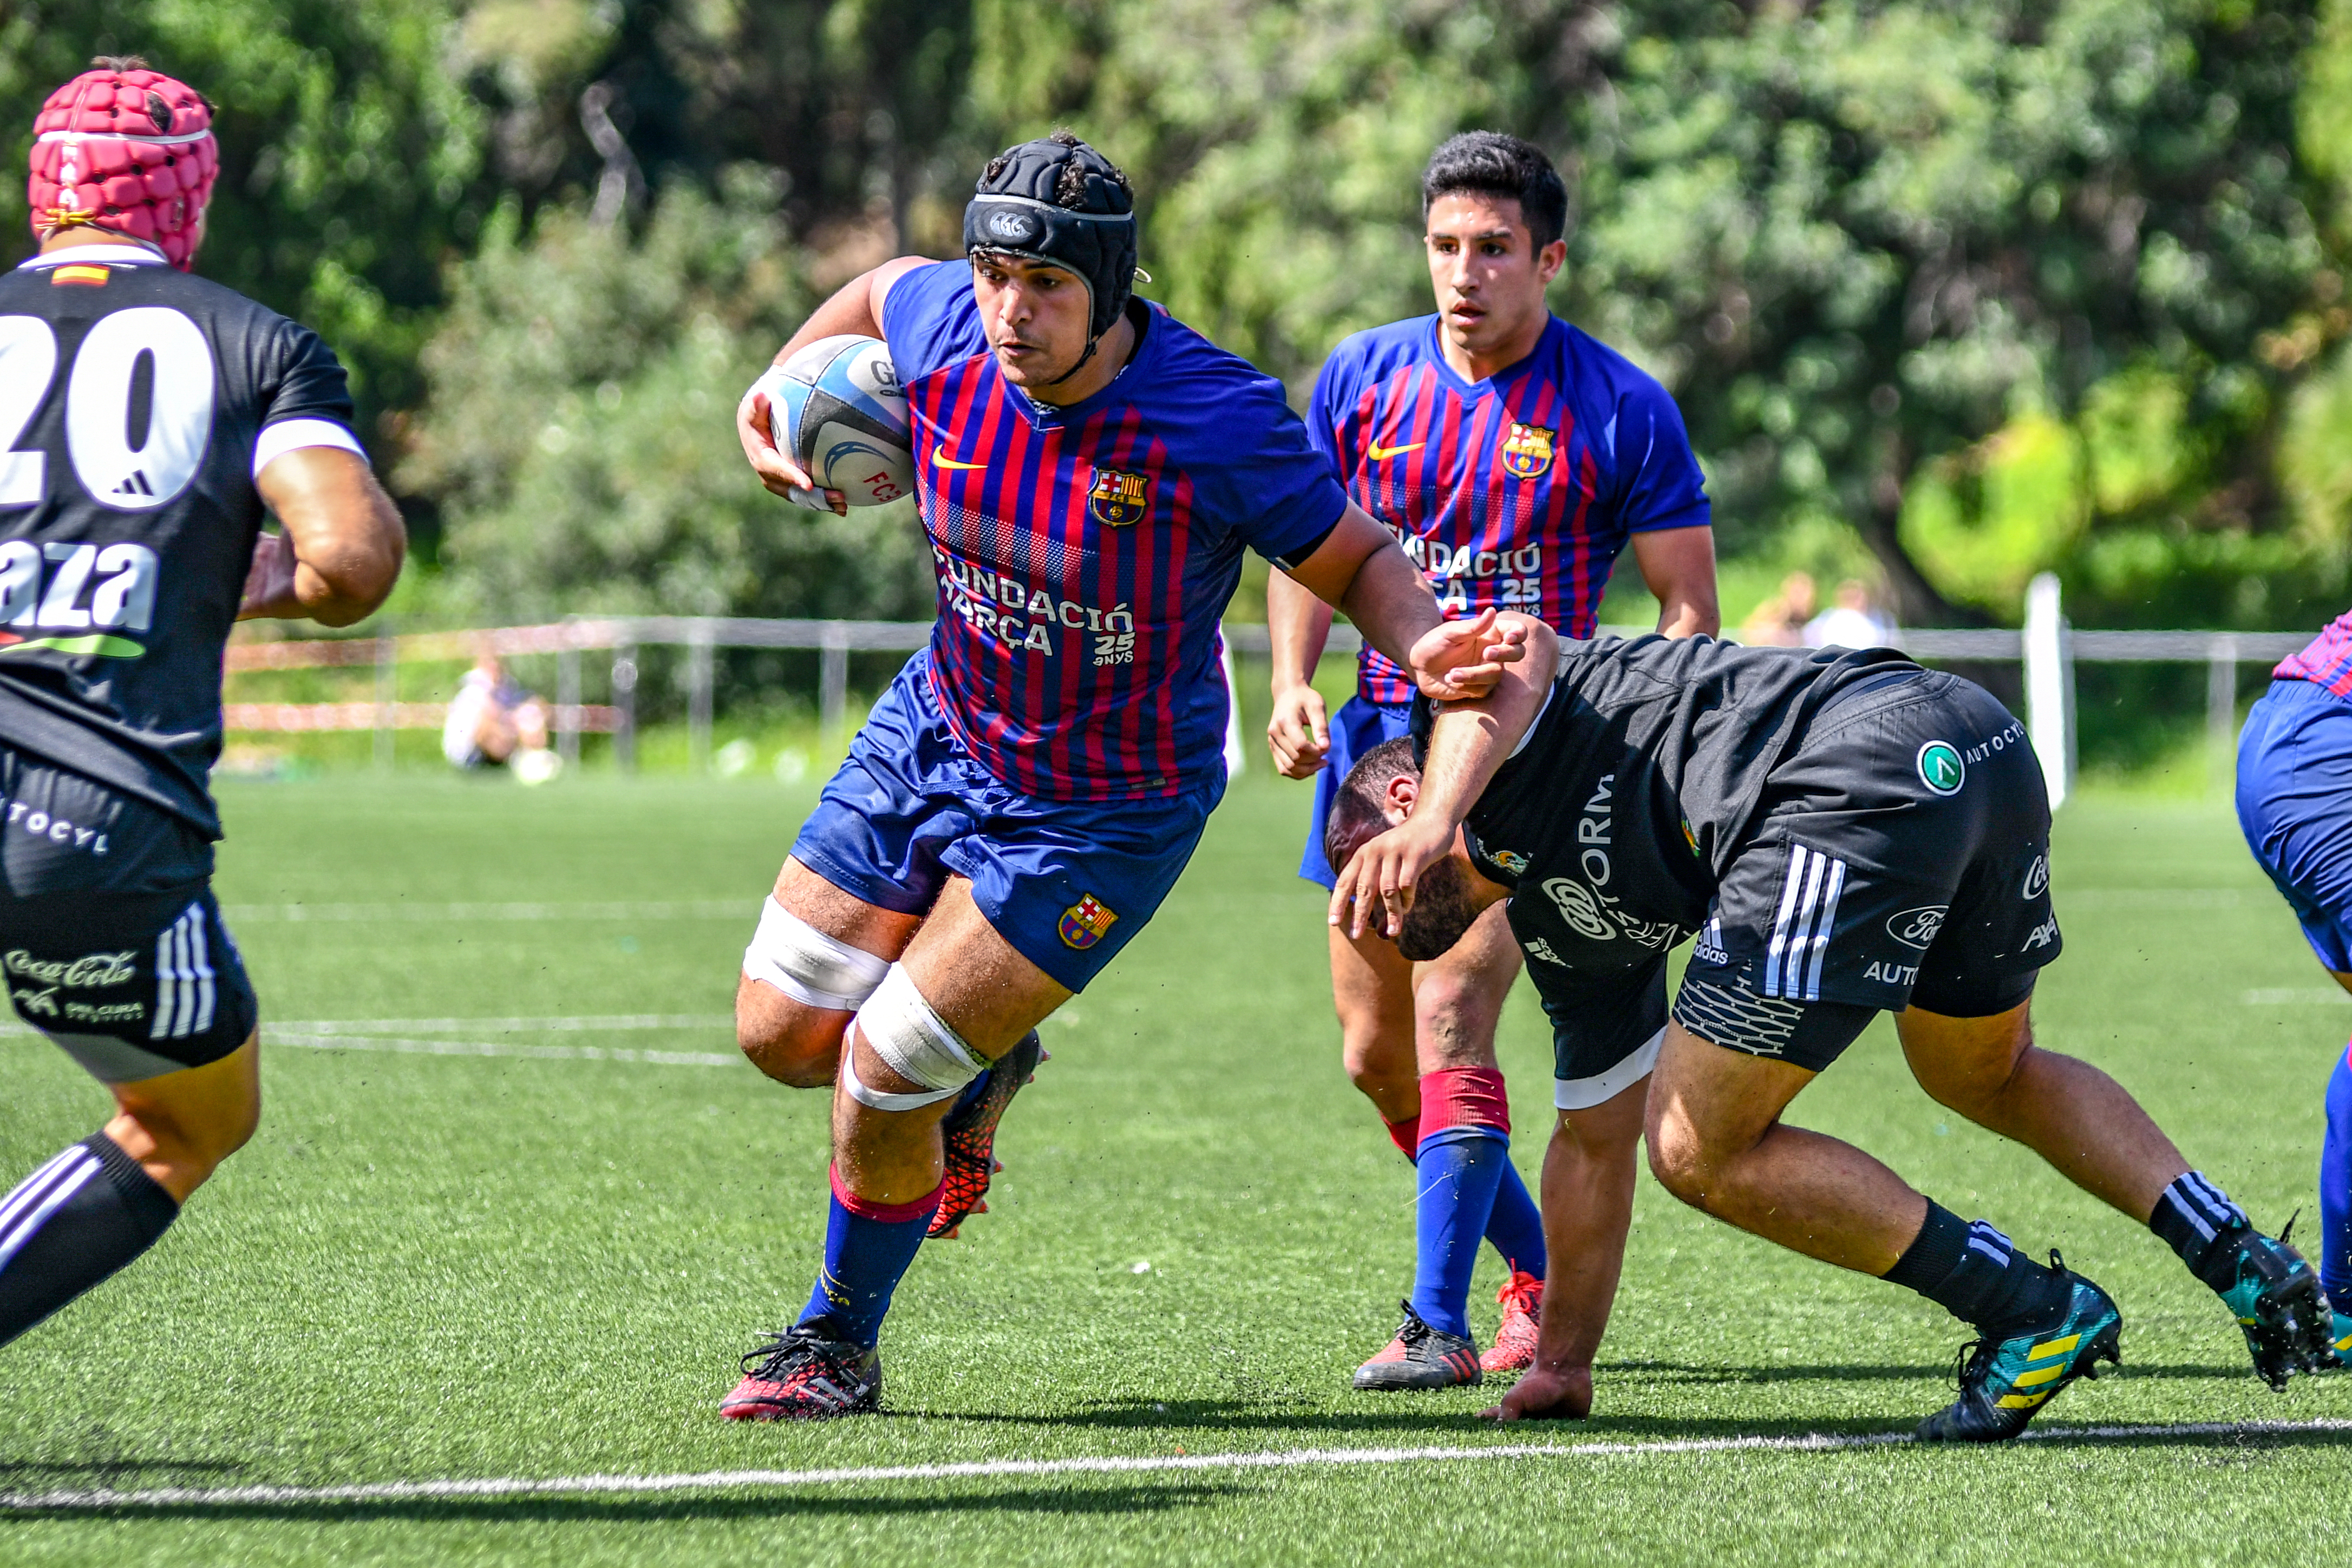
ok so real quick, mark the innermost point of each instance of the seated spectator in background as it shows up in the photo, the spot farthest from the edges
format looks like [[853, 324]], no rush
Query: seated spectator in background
[[493, 720], [1780, 620], [1853, 620]]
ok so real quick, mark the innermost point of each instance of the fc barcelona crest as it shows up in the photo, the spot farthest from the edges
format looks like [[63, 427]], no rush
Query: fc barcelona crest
[[1087, 922], [1527, 451], [1119, 499]]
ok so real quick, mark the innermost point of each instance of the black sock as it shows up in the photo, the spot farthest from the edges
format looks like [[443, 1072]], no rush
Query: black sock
[[1973, 1272], [2198, 1221], [72, 1223]]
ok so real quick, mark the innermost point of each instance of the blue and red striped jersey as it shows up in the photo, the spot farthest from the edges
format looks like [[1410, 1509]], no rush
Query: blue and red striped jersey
[[1086, 553], [1516, 492], [2326, 660]]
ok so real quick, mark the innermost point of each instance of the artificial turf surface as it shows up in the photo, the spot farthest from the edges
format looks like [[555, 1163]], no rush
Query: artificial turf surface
[[447, 1266]]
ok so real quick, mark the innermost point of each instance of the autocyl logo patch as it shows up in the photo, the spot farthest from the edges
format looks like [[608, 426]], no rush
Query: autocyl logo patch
[[1941, 769], [1087, 922]]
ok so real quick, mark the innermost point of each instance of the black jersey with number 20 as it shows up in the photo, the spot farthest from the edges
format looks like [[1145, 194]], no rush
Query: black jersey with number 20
[[137, 405]]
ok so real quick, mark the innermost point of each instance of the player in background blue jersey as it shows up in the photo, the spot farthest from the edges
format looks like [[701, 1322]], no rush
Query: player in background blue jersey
[[1513, 457], [2295, 803], [1089, 472]]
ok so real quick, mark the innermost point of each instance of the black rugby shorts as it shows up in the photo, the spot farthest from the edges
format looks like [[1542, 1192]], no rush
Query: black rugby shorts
[[1900, 857], [110, 941]]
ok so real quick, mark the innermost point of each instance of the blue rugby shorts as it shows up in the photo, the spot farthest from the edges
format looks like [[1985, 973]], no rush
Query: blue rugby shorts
[[1068, 883], [2295, 804], [1356, 728]]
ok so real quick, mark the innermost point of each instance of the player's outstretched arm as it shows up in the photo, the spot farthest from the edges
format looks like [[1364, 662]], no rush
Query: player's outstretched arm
[[855, 309], [342, 545], [1679, 568], [1297, 623], [1359, 568], [1468, 742]]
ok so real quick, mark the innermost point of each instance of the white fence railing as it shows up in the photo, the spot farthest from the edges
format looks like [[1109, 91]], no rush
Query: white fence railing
[[2046, 646]]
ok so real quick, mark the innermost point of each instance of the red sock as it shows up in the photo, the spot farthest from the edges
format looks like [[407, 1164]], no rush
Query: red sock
[[1464, 1097], [1405, 1133]]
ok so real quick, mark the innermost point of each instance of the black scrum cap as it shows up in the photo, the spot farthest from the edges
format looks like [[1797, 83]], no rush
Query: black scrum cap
[[1057, 200]]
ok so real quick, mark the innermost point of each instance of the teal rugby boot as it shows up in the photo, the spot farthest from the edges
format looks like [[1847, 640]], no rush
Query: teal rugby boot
[[2004, 1382], [2277, 1301]]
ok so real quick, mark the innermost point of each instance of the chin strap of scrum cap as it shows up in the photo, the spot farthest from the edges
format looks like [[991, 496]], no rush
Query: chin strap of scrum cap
[[1060, 202]]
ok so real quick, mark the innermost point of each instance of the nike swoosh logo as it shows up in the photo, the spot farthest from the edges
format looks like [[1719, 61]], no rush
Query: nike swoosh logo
[[1380, 454], [942, 460]]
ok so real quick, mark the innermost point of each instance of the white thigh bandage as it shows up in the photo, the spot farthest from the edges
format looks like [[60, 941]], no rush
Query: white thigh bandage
[[915, 1042], [1584, 1093], [809, 966]]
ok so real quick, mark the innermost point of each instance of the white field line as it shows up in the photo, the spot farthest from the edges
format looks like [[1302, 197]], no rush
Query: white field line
[[744, 908], [584, 1024], [1145, 1464], [2153, 899], [275, 1037], [2297, 996], [362, 1035]]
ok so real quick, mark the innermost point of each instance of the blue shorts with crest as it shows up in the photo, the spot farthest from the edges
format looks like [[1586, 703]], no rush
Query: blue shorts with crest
[[1068, 883]]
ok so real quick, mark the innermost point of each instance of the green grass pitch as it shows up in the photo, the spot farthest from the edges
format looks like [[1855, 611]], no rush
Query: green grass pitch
[[434, 1265]]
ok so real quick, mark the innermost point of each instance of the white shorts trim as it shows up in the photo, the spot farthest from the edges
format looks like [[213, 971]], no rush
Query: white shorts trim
[[1584, 1093]]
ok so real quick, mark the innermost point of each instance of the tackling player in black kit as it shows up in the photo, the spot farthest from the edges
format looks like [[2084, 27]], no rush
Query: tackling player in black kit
[[1845, 833], [146, 418]]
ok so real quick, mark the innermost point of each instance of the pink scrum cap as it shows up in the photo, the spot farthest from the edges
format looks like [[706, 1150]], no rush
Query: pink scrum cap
[[125, 148]]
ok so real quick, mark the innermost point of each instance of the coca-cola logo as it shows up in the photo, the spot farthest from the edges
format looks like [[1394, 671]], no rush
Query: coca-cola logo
[[90, 972]]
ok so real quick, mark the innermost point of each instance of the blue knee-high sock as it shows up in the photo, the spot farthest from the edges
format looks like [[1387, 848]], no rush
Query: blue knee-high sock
[[1459, 1169], [868, 1247], [1516, 1226], [2335, 1188]]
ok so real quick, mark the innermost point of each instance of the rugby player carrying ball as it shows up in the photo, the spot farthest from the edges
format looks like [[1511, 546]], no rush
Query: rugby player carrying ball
[[1023, 796]]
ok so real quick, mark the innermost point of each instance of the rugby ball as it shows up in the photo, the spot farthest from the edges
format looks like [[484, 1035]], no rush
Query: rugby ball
[[837, 406]]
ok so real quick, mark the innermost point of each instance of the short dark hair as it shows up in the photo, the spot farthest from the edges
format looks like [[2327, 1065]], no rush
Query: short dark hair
[[1363, 796], [1491, 163]]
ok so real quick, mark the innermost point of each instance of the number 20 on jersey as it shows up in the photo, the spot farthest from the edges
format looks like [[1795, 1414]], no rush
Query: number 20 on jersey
[[139, 413]]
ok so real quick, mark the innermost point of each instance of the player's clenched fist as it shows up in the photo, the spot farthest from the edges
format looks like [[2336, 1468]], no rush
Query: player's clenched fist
[[1460, 661], [755, 428], [1541, 1395], [1299, 733]]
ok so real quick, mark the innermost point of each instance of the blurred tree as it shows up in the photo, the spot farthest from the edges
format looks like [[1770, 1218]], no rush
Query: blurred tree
[[1856, 269], [350, 172], [849, 101], [581, 430]]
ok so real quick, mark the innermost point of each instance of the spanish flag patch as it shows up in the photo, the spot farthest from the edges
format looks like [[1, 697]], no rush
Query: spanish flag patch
[[88, 277]]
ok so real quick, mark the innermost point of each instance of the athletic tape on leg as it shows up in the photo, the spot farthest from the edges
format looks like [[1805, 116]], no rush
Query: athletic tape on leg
[[809, 966], [914, 1042]]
